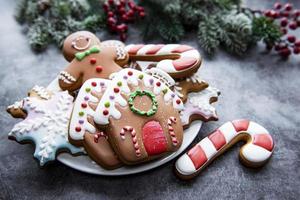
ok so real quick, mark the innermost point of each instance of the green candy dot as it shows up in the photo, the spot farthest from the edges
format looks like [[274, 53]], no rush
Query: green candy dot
[[119, 83], [107, 104], [165, 90], [141, 76], [81, 113], [87, 89]]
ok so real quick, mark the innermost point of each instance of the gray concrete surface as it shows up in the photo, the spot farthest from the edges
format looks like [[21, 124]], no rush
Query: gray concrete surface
[[259, 87]]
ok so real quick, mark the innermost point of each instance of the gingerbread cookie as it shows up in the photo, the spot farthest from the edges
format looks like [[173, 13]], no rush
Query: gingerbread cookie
[[254, 153], [91, 59], [140, 115], [198, 107], [82, 130], [177, 60], [45, 123], [190, 84]]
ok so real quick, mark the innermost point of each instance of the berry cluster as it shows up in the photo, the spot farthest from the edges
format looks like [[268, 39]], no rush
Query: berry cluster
[[289, 20], [121, 12]]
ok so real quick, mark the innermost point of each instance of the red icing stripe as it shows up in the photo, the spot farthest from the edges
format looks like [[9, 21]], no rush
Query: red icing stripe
[[154, 49], [135, 48], [263, 140], [197, 155], [218, 139], [184, 63], [240, 125], [182, 48]]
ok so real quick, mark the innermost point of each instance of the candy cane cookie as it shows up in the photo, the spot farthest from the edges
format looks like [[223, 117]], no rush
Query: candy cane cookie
[[177, 60], [256, 152]]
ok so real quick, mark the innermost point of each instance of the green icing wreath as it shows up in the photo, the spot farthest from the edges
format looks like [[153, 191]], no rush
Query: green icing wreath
[[148, 113]]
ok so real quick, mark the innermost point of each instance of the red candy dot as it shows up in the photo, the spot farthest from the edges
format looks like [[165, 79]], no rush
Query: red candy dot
[[105, 112], [130, 73], [116, 90], [77, 129], [93, 61], [99, 69], [158, 84], [94, 84], [178, 101], [83, 105]]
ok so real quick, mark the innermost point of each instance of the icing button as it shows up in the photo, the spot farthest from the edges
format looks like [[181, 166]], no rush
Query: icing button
[[99, 69], [93, 61]]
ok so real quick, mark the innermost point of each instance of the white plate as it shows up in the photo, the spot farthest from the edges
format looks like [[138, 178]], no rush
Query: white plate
[[85, 164]]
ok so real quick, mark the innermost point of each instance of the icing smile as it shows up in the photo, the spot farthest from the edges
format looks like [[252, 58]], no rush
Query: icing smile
[[66, 77]]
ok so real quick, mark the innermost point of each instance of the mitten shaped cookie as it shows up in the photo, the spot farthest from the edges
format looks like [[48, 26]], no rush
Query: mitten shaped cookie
[[45, 123], [140, 115], [90, 59], [82, 130], [179, 61]]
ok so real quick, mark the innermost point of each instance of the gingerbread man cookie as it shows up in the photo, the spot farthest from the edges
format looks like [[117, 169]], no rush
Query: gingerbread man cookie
[[177, 60], [45, 123], [140, 115], [82, 130], [255, 153], [90, 59]]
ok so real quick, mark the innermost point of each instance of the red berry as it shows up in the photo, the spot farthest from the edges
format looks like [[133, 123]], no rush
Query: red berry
[[142, 14], [267, 13], [284, 21], [285, 52], [111, 2], [296, 50], [122, 2], [288, 7], [111, 21], [122, 10], [297, 43], [275, 14], [110, 14], [130, 13], [284, 14], [99, 69], [297, 13], [123, 37], [284, 30], [105, 7], [293, 25], [291, 38], [298, 22], [125, 17], [120, 28], [277, 47], [277, 5], [131, 4]]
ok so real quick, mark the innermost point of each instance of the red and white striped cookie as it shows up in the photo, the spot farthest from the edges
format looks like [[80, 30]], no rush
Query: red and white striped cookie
[[254, 153], [177, 60]]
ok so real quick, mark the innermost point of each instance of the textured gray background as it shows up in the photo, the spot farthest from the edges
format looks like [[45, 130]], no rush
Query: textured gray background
[[259, 87]]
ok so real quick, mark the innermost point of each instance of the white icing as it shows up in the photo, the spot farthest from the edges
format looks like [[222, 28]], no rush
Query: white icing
[[185, 165], [16, 105], [46, 125], [199, 104], [120, 48], [41, 92], [255, 154], [161, 75], [228, 131], [99, 116], [255, 128], [54, 86], [166, 65], [144, 49], [128, 47], [75, 117], [191, 53], [66, 77], [167, 49], [208, 147]]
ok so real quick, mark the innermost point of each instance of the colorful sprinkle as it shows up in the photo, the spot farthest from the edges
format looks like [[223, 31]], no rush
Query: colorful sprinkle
[[105, 112], [87, 89], [151, 81], [173, 95], [99, 69], [130, 73], [81, 113], [141, 76], [116, 90], [119, 83], [107, 104], [125, 77], [86, 98], [93, 61], [158, 84], [78, 129], [178, 101], [102, 84], [83, 105], [94, 84], [111, 97], [81, 121], [165, 90]]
